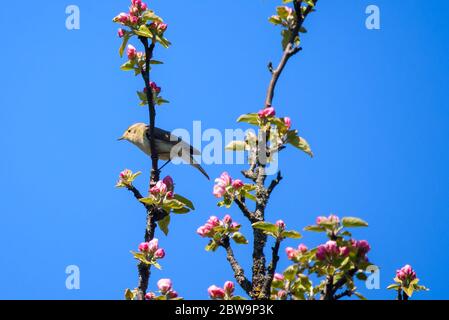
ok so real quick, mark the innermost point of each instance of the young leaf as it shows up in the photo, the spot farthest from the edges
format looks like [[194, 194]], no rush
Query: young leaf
[[185, 201], [265, 226], [291, 234], [251, 118], [164, 223], [127, 66], [315, 228], [239, 238], [236, 146], [351, 222], [147, 201], [126, 38]]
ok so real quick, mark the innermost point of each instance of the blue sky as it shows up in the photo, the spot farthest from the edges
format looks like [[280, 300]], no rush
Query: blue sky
[[374, 107]]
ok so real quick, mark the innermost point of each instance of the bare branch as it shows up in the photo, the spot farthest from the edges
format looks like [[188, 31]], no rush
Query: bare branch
[[239, 273], [274, 183], [246, 212], [266, 289]]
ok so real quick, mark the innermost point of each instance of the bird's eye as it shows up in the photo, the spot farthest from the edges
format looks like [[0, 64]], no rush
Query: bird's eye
[[129, 131]]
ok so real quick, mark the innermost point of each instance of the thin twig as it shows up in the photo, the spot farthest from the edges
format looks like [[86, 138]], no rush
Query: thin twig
[[266, 289], [246, 212]]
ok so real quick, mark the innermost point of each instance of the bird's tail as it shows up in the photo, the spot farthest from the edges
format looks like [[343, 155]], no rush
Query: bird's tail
[[200, 168], [186, 152]]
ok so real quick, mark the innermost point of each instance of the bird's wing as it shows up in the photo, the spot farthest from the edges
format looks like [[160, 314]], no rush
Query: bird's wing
[[164, 135]]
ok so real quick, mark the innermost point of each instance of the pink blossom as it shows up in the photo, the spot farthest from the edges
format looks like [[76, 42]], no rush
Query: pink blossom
[[125, 174], [320, 220], [278, 277], [229, 287], [288, 123], [216, 292], [235, 225], [362, 246], [143, 6], [203, 231], [159, 254], [122, 18], [267, 112], [406, 273], [344, 251], [237, 184], [164, 285], [321, 253], [170, 195], [291, 253], [172, 294], [302, 248], [153, 245], [133, 19], [144, 247], [329, 249], [154, 87], [121, 33], [131, 52], [150, 296], [282, 294], [224, 180], [333, 219], [213, 221], [168, 181], [219, 191], [227, 219], [280, 224]]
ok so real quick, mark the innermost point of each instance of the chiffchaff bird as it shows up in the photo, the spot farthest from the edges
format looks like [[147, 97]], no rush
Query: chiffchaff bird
[[168, 146]]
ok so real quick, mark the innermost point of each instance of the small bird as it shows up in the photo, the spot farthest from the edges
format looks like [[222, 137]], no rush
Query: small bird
[[168, 146]]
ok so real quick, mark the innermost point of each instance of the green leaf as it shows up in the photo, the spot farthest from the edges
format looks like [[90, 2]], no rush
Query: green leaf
[[408, 291], [185, 201], [251, 118], [237, 298], [292, 234], [211, 246], [148, 201], [315, 228], [144, 32], [173, 204], [394, 286], [298, 142], [129, 295], [164, 223], [156, 62], [352, 222], [181, 211], [239, 238], [149, 15], [266, 226], [236, 146], [126, 38], [156, 265], [291, 272], [127, 66]]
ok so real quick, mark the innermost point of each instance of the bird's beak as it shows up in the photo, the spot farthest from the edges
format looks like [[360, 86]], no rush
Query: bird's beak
[[120, 139]]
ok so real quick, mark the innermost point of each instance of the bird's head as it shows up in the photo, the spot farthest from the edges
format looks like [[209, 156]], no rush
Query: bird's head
[[134, 133]]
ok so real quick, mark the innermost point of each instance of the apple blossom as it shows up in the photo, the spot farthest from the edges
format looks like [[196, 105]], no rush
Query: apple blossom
[[406, 273], [302, 248], [131, 52], [159, 254], [144, 247], [280, 224], [216, 292], [229, 287], [288, 123], [237, 184], [150, 296], [164, 285], [227, 219], [153, 245], [267, 112], [121, 33]]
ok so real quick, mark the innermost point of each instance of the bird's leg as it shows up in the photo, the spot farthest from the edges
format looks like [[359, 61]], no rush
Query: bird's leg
[[164, 165]]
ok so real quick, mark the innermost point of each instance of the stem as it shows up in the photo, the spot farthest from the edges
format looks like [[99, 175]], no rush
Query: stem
[[239, 273], [266, 290], [144, 270]]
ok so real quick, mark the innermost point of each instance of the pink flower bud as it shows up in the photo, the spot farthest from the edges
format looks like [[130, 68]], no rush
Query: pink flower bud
[[278, 277], [164, 285], [406, 273], [144, 247], [267, 112], [213, 221], [282, 294], [288, 122], [162, 187], [150, 296], [333, 219], [122, 18], [229, 287], [320, 220], [172, 294], [133, 19], [332, 248], [153, 245], [237, 184], [291, 253], [131, 52], [204, 231], [168, 182], [227, 219], [170, 195], [280, 224], [154, 87], [121, 33], [225, 179], [302, 248], [235, 225], [219, 191], [143, 6], [321, 253], [125, 174], [216, 292], [363, 247], [159, 254], [344, 251]]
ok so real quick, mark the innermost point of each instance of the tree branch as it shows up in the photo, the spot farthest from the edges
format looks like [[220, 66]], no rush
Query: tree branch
[[274, 183], [239, 273], [246, 212], [266, 289]]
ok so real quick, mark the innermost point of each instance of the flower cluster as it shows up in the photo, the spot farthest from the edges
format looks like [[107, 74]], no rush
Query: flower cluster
[[224, 184], [134, 17], [267, 113], [406, 274], [164, 188], [218, 230], [225, 293], [165, 287], [126, 178], [294, 254], [149, 253]]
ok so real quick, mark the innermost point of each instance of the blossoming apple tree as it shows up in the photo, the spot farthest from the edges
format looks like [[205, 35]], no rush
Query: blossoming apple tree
[[329, 271]]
